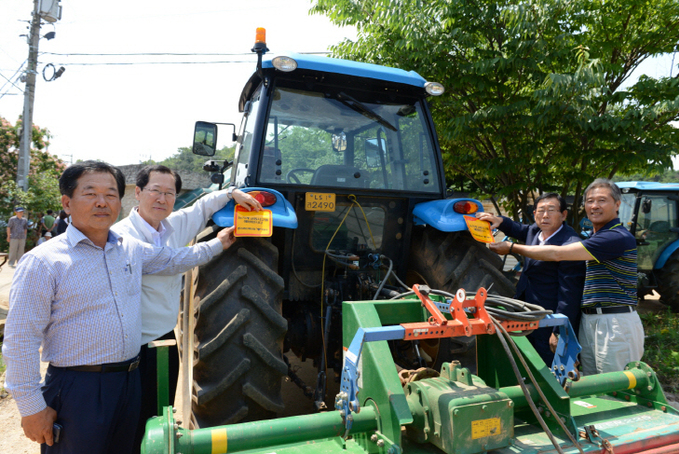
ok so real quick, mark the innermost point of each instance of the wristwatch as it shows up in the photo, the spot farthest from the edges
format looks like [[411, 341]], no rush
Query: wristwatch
[[230, 190]]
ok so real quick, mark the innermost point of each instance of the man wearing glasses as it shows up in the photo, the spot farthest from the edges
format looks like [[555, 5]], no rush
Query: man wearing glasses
[[556, 286], [154, 222]]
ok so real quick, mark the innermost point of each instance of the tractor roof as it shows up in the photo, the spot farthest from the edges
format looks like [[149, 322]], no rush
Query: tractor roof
[[349, 68], [648, 186]]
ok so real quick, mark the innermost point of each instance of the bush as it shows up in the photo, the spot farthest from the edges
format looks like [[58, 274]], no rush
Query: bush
[[661, 347]]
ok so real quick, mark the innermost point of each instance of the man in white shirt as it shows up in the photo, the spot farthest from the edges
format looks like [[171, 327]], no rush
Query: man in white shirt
[[154, 222]]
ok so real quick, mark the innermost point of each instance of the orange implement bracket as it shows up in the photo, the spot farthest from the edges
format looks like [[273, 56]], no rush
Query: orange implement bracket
[[438, 326]]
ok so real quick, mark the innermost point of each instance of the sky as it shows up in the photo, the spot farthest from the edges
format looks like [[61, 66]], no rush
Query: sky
[[128, 113], [125, 114]]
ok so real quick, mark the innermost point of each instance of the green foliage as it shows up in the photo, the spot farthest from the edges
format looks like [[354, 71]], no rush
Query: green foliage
[[43, 178], [661, 347], [185, 160], [533, 100], [668, 176]]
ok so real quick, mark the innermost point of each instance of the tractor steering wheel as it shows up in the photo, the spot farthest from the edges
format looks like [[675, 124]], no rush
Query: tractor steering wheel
[[290, 176]]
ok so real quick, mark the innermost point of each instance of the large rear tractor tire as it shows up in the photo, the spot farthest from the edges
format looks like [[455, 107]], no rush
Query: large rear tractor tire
[[238, 365], [450, 261], [668, 283]]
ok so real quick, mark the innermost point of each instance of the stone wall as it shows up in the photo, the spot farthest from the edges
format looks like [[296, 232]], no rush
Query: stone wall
[[190, 181]]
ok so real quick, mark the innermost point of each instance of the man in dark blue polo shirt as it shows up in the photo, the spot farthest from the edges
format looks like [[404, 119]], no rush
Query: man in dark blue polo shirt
[[611, 333]]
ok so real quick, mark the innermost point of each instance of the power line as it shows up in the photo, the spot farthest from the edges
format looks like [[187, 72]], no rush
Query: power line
[[10, 81], [164, 54], [155, 63], [142, 54]]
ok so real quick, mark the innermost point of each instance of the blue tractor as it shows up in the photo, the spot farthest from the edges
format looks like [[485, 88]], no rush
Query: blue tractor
[[649, 211], [346, 157]]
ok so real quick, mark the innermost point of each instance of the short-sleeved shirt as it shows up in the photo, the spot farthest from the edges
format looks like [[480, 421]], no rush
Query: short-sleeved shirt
[[17, 228], [48, 221], [611, 278]]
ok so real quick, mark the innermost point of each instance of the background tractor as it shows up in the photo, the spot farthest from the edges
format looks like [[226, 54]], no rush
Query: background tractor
[[346, 157], [649, 211]]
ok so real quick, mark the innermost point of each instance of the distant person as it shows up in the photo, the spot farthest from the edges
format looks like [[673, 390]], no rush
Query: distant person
[[48, 236], [47, 223], [17, 229], [78, 297], [154, 222], [62, 223], [556, 286], [611, 333]]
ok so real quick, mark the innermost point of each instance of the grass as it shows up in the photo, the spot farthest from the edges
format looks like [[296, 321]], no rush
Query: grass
[[661, 347]]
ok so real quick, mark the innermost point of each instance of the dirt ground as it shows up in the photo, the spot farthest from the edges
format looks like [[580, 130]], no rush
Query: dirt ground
[[12, 438]]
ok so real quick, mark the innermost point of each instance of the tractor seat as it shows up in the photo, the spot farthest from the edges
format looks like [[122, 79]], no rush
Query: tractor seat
[[339, 176], [659, 227]]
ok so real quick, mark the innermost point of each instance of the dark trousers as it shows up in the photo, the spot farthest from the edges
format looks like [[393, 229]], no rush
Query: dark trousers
[[540, 340], [99, 412], [149, 384]]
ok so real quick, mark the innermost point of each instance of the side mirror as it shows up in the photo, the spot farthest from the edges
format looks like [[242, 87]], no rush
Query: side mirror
[[205, 139], [646, 206]]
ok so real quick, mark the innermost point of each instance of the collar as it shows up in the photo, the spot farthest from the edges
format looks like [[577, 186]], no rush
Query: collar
[[75, 236], [151, 234], [550, 236], [613, 223]]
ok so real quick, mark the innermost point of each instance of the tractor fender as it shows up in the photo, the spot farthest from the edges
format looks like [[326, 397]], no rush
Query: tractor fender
[[282, 211], [440, 214], [666, 253]]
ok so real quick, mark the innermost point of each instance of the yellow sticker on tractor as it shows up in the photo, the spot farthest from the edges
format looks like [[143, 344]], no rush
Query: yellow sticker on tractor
[[318, 201], [480, 230], [252, 223], [485, 428]]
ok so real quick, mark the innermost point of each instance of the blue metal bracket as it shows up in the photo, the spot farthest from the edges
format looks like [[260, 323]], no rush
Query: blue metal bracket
[[567, 349], [347, 400]]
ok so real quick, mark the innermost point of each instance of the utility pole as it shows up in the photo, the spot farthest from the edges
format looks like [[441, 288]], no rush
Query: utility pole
[[29, 98]]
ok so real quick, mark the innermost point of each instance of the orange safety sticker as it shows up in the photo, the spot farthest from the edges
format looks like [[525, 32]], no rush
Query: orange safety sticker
[[480, 230], [252, 223]]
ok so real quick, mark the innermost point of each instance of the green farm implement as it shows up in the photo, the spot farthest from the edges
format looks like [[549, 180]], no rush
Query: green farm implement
[[515, 403]]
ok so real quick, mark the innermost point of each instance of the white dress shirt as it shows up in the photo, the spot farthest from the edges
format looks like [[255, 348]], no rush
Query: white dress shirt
[[160, 294]]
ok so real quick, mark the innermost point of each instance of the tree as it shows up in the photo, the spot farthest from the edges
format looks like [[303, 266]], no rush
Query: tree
[[43, 178], [534, 99], [185, 160]]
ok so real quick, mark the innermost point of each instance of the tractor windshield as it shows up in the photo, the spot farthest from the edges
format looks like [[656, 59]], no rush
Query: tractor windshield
[[346, 138]]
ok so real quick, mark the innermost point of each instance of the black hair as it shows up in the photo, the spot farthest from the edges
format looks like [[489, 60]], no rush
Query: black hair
[[63, 214], [50, 212], [563, 206], [69, 179], [145, 173]]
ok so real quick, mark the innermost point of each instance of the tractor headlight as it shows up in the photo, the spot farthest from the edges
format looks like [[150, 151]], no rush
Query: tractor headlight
[[434, 88], [285, 64]]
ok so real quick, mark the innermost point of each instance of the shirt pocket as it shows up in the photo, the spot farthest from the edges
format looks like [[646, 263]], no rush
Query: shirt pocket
[[132, 277]]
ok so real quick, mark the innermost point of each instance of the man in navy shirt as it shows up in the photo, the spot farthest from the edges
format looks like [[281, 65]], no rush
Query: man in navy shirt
[[556, 286], [611, 333]]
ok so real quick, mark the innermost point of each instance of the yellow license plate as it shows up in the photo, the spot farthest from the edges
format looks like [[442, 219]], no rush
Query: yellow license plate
[[317, 201]]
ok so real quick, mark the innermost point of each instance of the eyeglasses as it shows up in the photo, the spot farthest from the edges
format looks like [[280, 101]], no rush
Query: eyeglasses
[[550, 210], [157, 193]]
